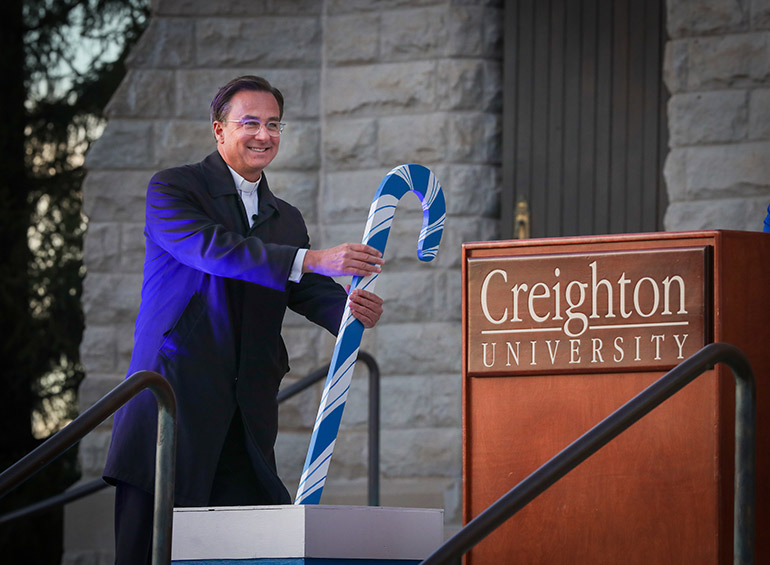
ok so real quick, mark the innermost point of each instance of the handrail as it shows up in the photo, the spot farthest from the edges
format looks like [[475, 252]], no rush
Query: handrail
[[165, 450], [94, 486], [612, 426], [374, 416]]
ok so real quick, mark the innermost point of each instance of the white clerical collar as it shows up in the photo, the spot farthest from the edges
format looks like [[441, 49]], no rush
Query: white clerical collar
[[242, 184]]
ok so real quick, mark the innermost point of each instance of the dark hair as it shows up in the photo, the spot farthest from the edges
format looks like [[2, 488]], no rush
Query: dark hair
[[220, 105]]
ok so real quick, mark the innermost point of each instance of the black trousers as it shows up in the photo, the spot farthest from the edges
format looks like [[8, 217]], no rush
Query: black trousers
[[235, 484]]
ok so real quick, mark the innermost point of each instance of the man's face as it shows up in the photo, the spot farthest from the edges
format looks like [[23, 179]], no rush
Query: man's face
[[248, 154]]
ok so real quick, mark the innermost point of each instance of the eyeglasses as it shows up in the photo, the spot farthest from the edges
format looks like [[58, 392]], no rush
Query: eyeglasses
[[253, 126]]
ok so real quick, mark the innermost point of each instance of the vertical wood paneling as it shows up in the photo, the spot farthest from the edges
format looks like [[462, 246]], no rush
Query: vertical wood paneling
[[584, 125]]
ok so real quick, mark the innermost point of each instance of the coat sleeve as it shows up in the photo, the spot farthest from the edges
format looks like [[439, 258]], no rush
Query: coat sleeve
[[181, 222], [319, 299]]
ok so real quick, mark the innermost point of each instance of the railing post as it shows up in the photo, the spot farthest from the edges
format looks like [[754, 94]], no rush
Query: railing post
[[90, 419], [745, 457], [165, 474], [374, 428], [612, 426]]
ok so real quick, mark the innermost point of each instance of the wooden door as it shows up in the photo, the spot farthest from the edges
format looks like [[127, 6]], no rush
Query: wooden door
[[584, 118]]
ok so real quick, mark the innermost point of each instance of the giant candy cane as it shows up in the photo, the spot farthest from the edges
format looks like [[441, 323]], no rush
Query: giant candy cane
[[399, 181]]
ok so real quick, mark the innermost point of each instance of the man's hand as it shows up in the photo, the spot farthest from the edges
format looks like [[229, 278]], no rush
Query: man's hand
[[365, 306], [345, 259]]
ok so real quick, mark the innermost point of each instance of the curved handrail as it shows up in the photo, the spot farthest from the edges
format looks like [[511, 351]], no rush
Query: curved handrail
[[374, 416], [612, 426], [165, 450], [97, 485]]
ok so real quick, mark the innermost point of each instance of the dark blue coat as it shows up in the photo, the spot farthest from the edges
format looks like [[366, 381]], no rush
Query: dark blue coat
[[213, 299]]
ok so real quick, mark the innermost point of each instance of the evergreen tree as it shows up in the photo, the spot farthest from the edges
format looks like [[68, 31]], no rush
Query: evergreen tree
[[61, 61]]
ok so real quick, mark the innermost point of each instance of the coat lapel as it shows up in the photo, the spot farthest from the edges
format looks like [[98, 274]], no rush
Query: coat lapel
[[224, 196]]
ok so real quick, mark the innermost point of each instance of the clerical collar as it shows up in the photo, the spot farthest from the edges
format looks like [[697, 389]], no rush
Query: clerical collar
[[242, 184]]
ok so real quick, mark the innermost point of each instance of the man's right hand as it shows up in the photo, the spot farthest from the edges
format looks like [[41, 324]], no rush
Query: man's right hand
[[346, 259]]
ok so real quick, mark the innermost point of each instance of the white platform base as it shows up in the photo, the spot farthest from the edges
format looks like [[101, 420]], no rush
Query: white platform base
[[306, 533]]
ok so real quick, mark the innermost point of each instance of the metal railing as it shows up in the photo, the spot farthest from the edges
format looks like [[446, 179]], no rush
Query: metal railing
[[165, 463], [374, 416], [97, 485], [612, 426]]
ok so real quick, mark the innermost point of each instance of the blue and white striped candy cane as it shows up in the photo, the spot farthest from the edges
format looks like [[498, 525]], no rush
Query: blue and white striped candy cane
[[399, 181]]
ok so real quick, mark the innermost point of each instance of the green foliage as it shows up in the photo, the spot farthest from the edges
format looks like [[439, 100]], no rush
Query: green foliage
[[75, 52], [62, 60]]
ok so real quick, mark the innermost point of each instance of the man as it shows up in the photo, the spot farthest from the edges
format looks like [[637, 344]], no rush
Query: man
[[224, 259]]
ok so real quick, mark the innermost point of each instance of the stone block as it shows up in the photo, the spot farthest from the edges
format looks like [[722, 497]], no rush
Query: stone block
[[98, 350], [95, 386], [125, 144], [181, 142], [351, 144], [416, 33], [759, 114], [306, 348], [729, 61], [101, 247], [421, 401], [469, 32], [300, 147], [418, 492], [718, 171], [419, 348], [675, 174], [125, 343], [115, 196], [348, 6], [348, 195], [409, 296], [473, 137], [421, 452], [131, 247], [708, 117], [380, 89], [472, 190], [196, 88], [726, 214], [236, 8], [421, 138], [449, 296], [93, 453], [686, 18], [760, 14], [165, 44], [299, 189], [88, 527], [352, 39], [676, 60], [143, 93], [264, 41], [470, 85], [299, 412], [438, 31], [111, 298]]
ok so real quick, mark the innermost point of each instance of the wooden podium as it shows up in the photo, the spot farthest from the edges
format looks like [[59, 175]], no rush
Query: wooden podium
[[559, 333]]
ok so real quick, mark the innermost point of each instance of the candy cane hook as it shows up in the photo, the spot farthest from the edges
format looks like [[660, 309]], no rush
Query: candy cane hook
[[396, 184]]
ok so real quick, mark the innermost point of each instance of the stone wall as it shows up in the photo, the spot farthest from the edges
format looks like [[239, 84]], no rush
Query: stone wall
[[369, 84], [717, 68]]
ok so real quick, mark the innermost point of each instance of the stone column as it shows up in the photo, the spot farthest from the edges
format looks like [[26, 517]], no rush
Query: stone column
[[717, 68]]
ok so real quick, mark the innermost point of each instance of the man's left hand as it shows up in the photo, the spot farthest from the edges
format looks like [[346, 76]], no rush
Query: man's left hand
[[365, 306]]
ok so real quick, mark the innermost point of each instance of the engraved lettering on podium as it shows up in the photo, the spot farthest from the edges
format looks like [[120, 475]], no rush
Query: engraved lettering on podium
[[586, 312]]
